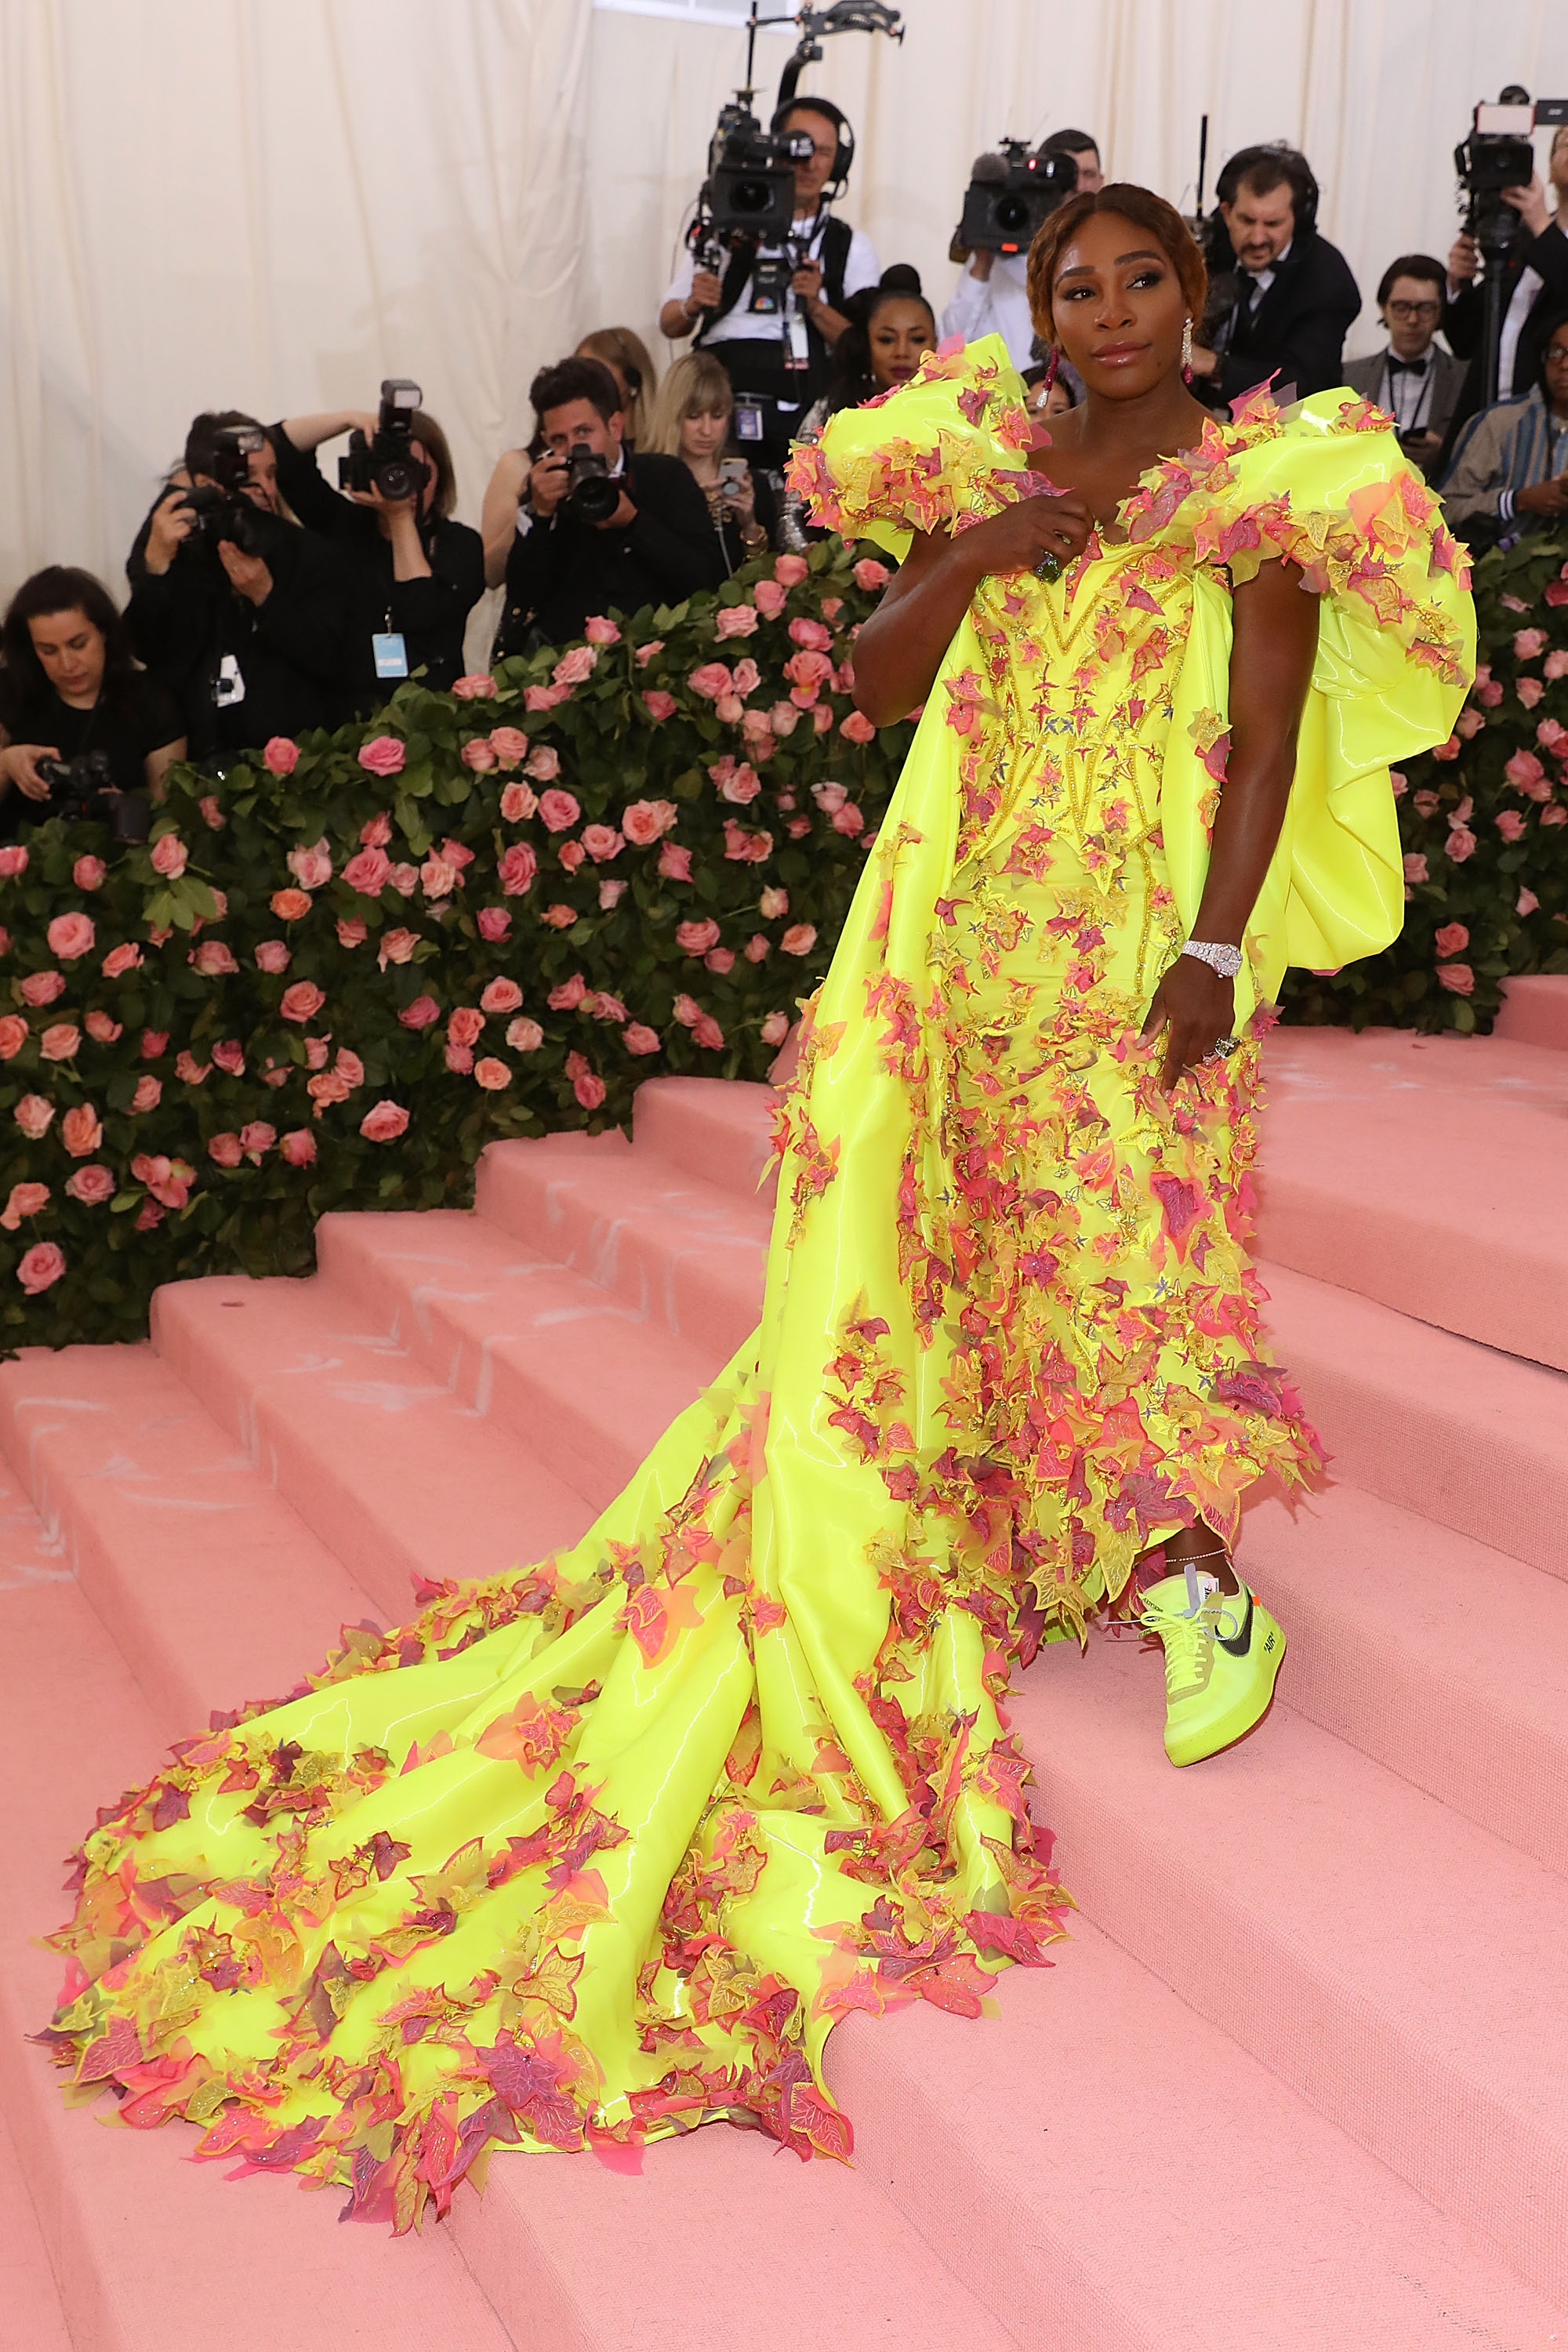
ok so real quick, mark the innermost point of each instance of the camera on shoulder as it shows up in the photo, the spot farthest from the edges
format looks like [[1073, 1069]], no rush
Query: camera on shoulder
[[387, 462], [1010, 193]]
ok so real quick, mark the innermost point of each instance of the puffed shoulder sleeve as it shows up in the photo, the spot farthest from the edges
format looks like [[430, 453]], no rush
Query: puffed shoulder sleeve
[[1326, 486], [951, 444]]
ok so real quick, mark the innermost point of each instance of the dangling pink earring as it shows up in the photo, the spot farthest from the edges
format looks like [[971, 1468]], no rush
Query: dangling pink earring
[[1188, 352], [1050, 374]]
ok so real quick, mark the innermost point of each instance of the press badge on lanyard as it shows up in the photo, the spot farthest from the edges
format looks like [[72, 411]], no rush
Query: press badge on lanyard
[[391, 653]]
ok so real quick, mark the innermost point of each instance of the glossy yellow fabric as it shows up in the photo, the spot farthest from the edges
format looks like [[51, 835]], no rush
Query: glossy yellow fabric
[[599, 1851]]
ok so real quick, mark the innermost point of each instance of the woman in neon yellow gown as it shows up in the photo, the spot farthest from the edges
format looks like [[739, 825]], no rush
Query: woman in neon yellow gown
[[597, 1852]]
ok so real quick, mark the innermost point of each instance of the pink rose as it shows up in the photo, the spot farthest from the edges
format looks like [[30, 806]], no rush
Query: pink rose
[[746, 848], [696, 939], [645, 654], [829, 796], [637, 1038], [1525, 772], [516, 804], [543, 763], [757, 947], [44, 1263], [1415, 867], [229, 1056], [1525, 904], [809, 673], [1457, 978], [384, 755], [508, 744], [559, 917], [352, 931], [1469, 724], [707, 1033], [225, 1150], [189, 1071], [525, 1036], [1529, 643], [311, 866], [1460, 843], [42, 987], [501, 996], [148, 1216], [273, 955], [1558, 815], [13, 861], [149, 1094], [439, 877], [789, 571], [735, 783], [571, 855], [281, 756], [256, 1138], [559, 809], [155, 1045], [302, 1002], [735, 621], [35, 1116], [719, 960], [385, 1124], [1552, 735], [709, 680], [491, 1074], [1556, 663], [122, 958], [643, 822], [775, 1028], [91, 1186], [544, 698], [25, 1201], [568, 995], [870, 576], [849, 820], [493, 923], [611, 893], [573, 667], [1449, 750], [169, 856], [745, 677], [367, 872], [799, 940], [61, 1042], [588, 1090], [464, 1024], [377, 831], [81, 1130], [12, 1036], [688, 1012], [298, 1147], [605, 1007], [1511, 825], [822, 716], [602, 841], [658, 703], [477, 755], [804, 631], [729, 709], [769, 599], [773, 905], [420, 1013], [674, 861], [289, 906], [799, 826], [1488, 689], [396, 947], [857, 728], [460, 1058], [88, 874], [479, 685], [784, 719], [600, 631], [1529, 690], [213, 957], [1425, 803], [1451, 939]]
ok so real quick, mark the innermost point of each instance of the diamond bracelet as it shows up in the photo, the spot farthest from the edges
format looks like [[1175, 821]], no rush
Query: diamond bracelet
[[1225, 961]]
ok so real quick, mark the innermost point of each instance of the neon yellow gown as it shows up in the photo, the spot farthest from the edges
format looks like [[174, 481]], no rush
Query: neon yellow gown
[[599, 1851]]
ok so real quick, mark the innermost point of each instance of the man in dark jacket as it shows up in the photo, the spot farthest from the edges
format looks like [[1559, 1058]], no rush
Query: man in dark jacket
[[1535, 288], [1282, 297], [244, 628], [653, 545]]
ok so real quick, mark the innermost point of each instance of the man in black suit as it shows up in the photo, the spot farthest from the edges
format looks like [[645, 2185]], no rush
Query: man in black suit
[[656, 544], [1414, 379], [1281, 296]]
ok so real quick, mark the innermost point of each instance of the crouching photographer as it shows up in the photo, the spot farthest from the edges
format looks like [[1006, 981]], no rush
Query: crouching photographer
[[414, 574], [83, 732], [601, 528], [236, 612]]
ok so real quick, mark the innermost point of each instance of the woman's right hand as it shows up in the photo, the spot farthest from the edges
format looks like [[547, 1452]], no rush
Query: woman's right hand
[[1017, 538], [20, 766], [172, 523]]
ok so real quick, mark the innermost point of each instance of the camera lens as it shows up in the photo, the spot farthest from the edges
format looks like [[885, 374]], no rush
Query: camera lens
[[395, 479], [1012, 213]]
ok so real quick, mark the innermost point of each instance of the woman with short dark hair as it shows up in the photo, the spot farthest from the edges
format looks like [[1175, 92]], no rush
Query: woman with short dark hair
[[69, 686]]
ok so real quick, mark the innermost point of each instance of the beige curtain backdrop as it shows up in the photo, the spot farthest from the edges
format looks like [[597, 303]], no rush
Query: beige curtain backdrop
[[272, 204]]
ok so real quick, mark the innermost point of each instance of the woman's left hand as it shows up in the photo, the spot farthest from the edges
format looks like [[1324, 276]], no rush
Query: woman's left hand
[[1195, 1008]]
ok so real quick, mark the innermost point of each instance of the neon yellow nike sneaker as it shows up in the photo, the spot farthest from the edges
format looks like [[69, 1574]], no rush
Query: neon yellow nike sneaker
[[1222, 1653]]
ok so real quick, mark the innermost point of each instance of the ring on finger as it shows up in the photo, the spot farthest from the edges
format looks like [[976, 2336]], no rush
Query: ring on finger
[[1222, 1049]]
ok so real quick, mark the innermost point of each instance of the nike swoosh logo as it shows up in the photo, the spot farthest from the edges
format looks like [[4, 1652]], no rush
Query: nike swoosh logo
[[1238, 1644]]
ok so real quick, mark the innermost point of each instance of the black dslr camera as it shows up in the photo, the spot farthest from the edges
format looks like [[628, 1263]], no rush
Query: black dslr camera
[[591, 496], [1010, 195], [1498, 154], [388, 463], [84, 788], [221, 507]]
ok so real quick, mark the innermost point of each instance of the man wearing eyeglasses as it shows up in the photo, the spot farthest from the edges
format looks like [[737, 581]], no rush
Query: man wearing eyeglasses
[[1413, 378]]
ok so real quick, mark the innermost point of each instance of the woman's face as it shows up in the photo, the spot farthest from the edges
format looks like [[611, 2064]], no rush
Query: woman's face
[[703, 434], [1117, 307], [71, 652], [900, 335]]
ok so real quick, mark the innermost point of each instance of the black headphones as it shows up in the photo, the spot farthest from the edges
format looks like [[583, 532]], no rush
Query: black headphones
[[1274, 157], [843, 154]]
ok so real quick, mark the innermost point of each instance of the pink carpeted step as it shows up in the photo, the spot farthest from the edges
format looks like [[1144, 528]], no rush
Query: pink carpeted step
[[149, 2249], [686, 1253], [1427, 1172], [384, 1466], [718, 1131], [1535, 1011], [29, 2298], [585, 1380], [30, 1553], [1456, 1431], [1120, 2173], [1444, 1660], [1400, 1967], [162, 1519]]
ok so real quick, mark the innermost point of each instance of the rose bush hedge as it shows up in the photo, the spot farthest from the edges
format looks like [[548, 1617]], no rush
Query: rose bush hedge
[[334, 975], [1484, 819]]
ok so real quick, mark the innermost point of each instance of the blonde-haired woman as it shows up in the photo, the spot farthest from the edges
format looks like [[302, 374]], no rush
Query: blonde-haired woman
[[691, 420]]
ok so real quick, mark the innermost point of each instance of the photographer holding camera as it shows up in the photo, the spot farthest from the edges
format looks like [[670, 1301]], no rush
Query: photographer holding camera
[[414, 574], [78, 719], [237, 612], [601, 528], [1534, 281], [776, 342], [992, 298]]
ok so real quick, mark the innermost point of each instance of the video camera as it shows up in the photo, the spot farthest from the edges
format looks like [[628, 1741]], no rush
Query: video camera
[[85, 788], [222, 507], [1010, 193], [1498, 154], [387, 462], [750, 193]]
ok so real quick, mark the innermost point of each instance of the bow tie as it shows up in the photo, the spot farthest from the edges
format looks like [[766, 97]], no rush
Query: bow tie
[[1405, 367]]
